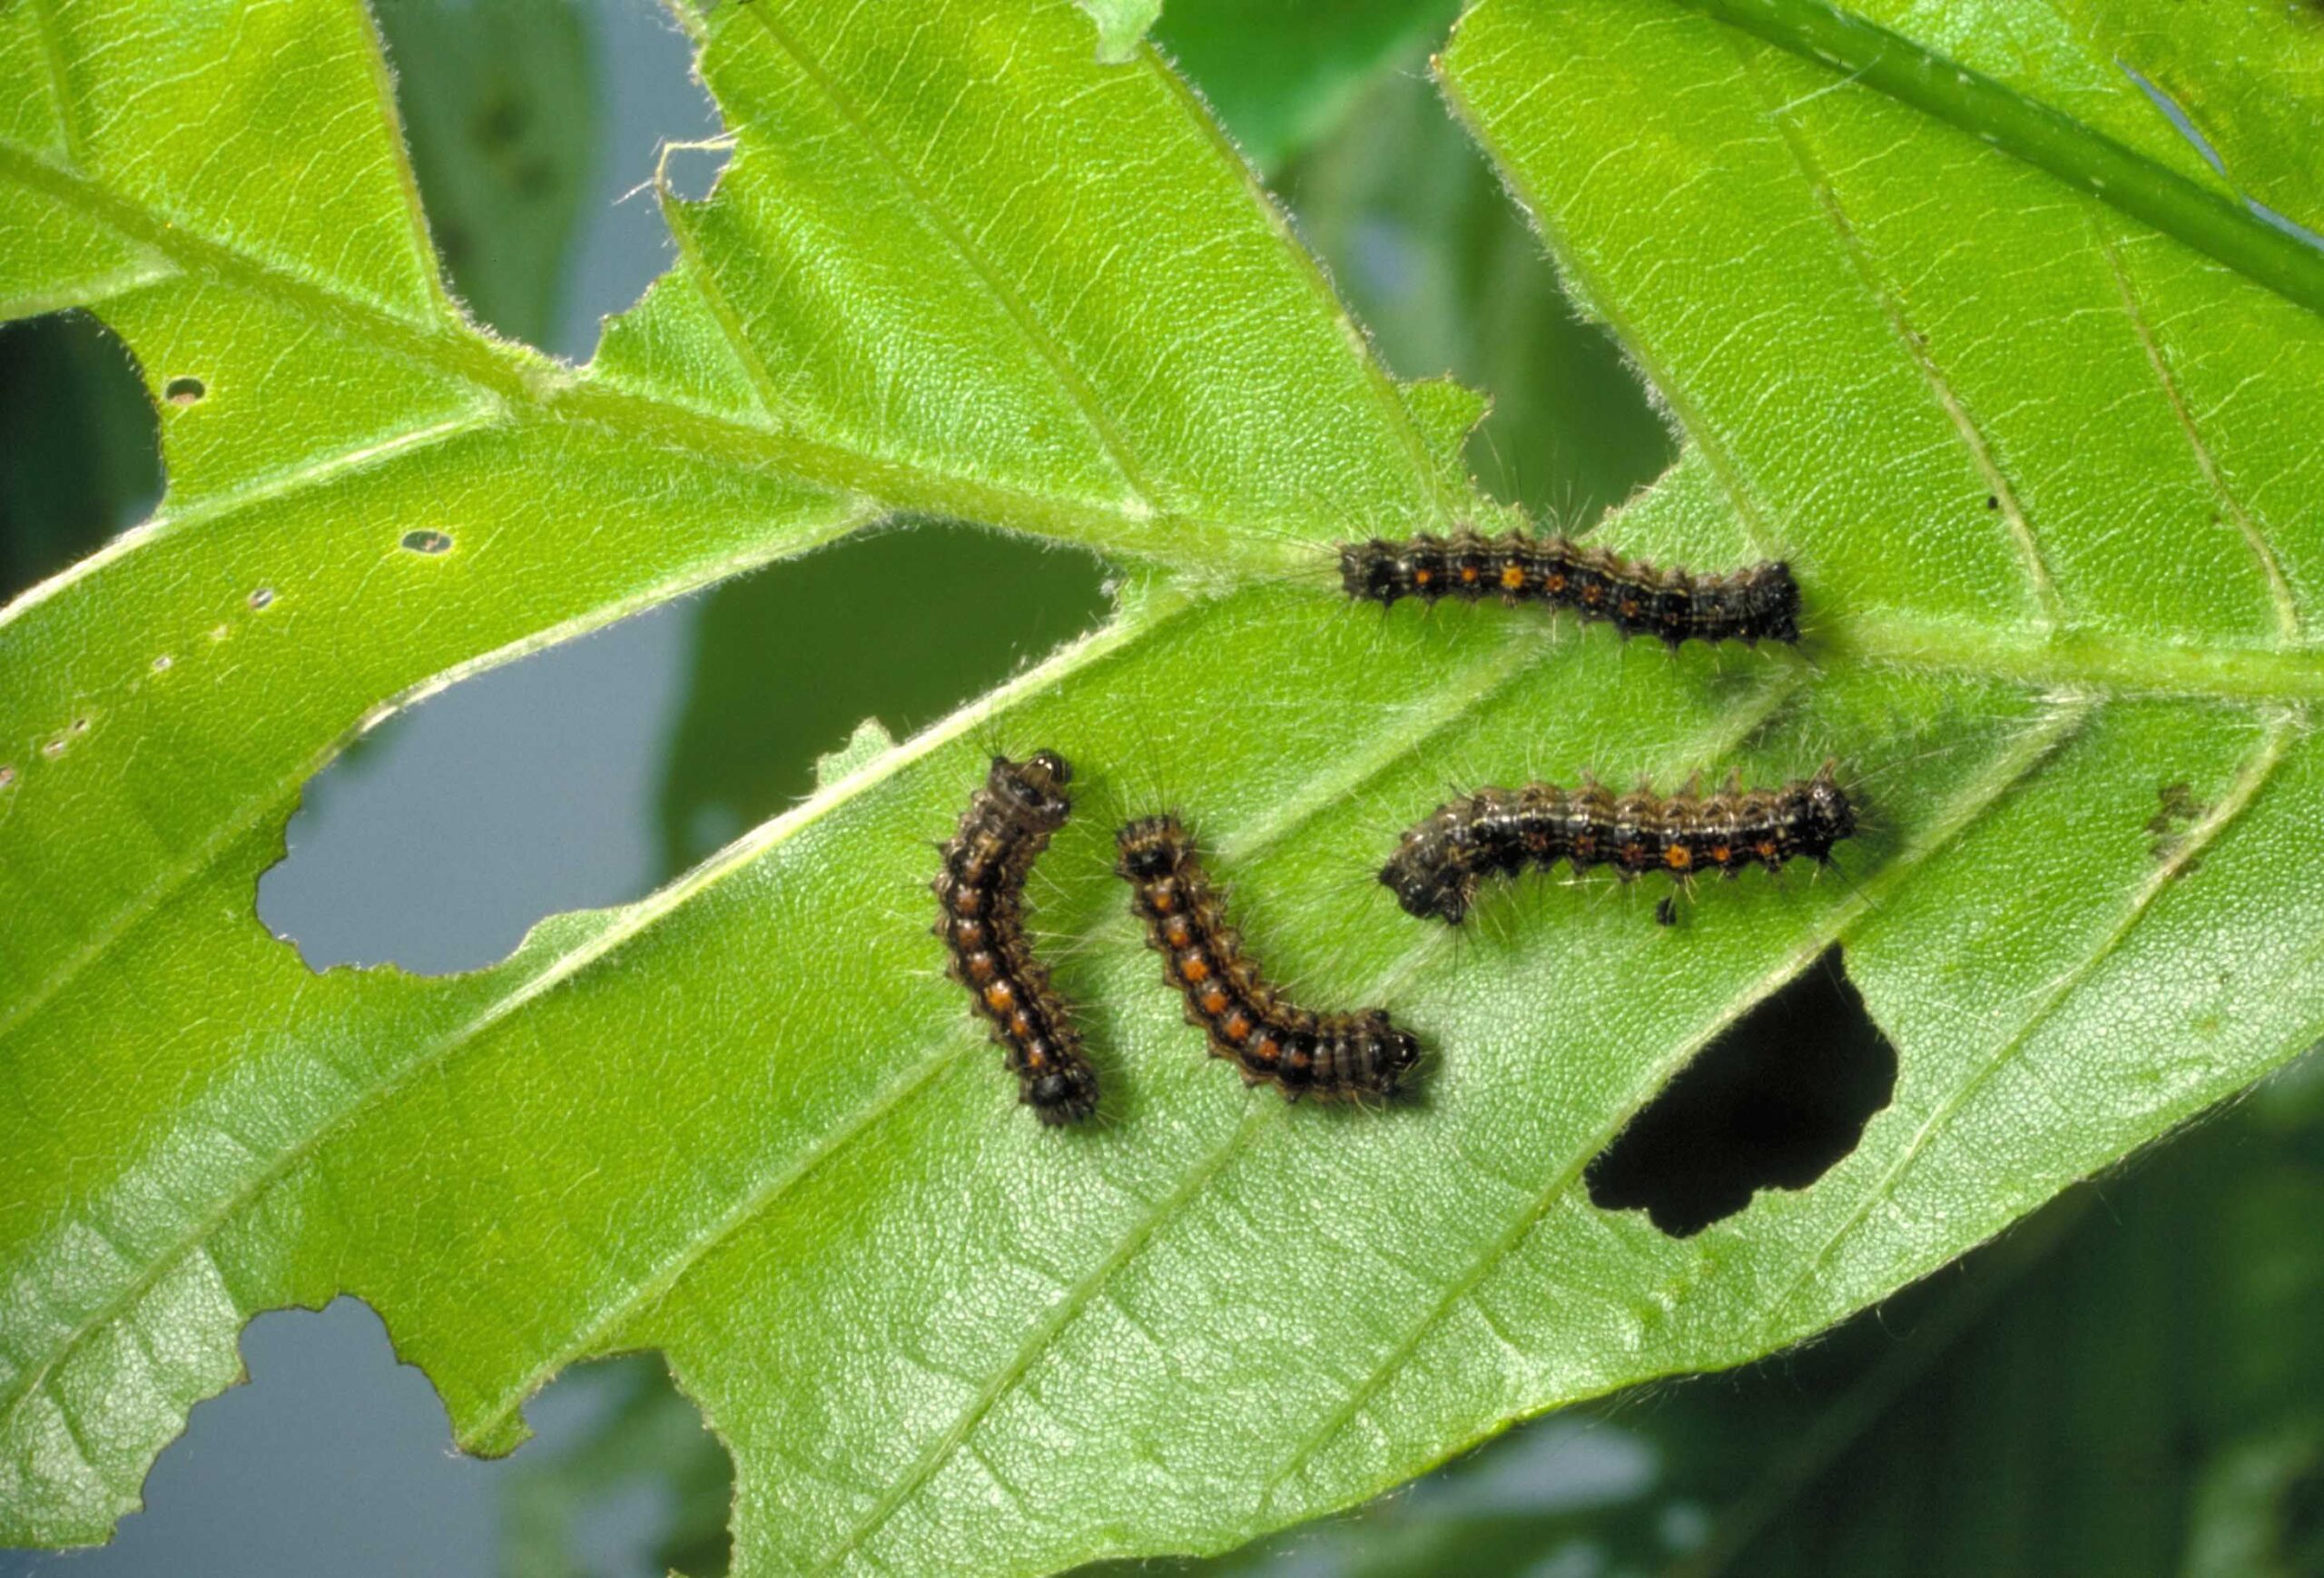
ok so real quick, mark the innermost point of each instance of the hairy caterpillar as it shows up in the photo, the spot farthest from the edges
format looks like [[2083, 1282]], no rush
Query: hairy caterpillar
[[981, 892], [1760, 603], [1501, 832], [1332, 1056]]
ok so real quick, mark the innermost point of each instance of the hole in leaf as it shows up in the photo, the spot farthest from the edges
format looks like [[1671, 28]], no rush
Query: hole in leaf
[[957, 611], [80, 445], [263, 597], [427, 542], [589, 774], [1439, 266], [333, 1447], [1773, 1102], [184, 391], [528, 124], [643, 1449], [7, 776], [447, 833]]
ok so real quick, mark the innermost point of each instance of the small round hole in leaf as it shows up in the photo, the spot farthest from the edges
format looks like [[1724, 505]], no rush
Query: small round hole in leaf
[[427, 542], [184, 391]]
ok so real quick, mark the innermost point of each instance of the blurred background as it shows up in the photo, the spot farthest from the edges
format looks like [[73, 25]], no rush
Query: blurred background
[[2132, 1381]]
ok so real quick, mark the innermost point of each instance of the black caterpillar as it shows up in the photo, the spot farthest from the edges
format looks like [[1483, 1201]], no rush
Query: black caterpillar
[[981, 889], [1750, 605], [1501, 832], [1331, 1056]]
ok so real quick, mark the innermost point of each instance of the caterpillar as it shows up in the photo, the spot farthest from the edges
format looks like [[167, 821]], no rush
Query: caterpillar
[[1759, 604], [1330, 1056], [1501, 832], [980, 891]]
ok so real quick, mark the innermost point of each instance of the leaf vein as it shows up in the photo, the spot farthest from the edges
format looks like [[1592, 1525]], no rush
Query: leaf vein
[[2279, 594], [994, 280], [2256, 770], [1909, 338]]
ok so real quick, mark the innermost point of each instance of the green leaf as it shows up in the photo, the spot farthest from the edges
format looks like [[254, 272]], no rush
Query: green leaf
[[959, 267], [2125, 1382]]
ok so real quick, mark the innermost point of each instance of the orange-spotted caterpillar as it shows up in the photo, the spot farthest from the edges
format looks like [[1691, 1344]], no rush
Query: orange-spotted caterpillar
[[1331, 1056], [1502, 831], [1750, 605], [981, 889]]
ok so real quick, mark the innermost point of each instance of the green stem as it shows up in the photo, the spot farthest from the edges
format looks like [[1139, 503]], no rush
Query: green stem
[[2211, 223]]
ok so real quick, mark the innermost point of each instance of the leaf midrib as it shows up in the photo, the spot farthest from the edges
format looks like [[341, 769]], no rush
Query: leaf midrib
[[521, 377]]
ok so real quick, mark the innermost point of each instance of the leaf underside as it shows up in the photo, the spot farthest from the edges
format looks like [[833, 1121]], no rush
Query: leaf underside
[[2043, 463]]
